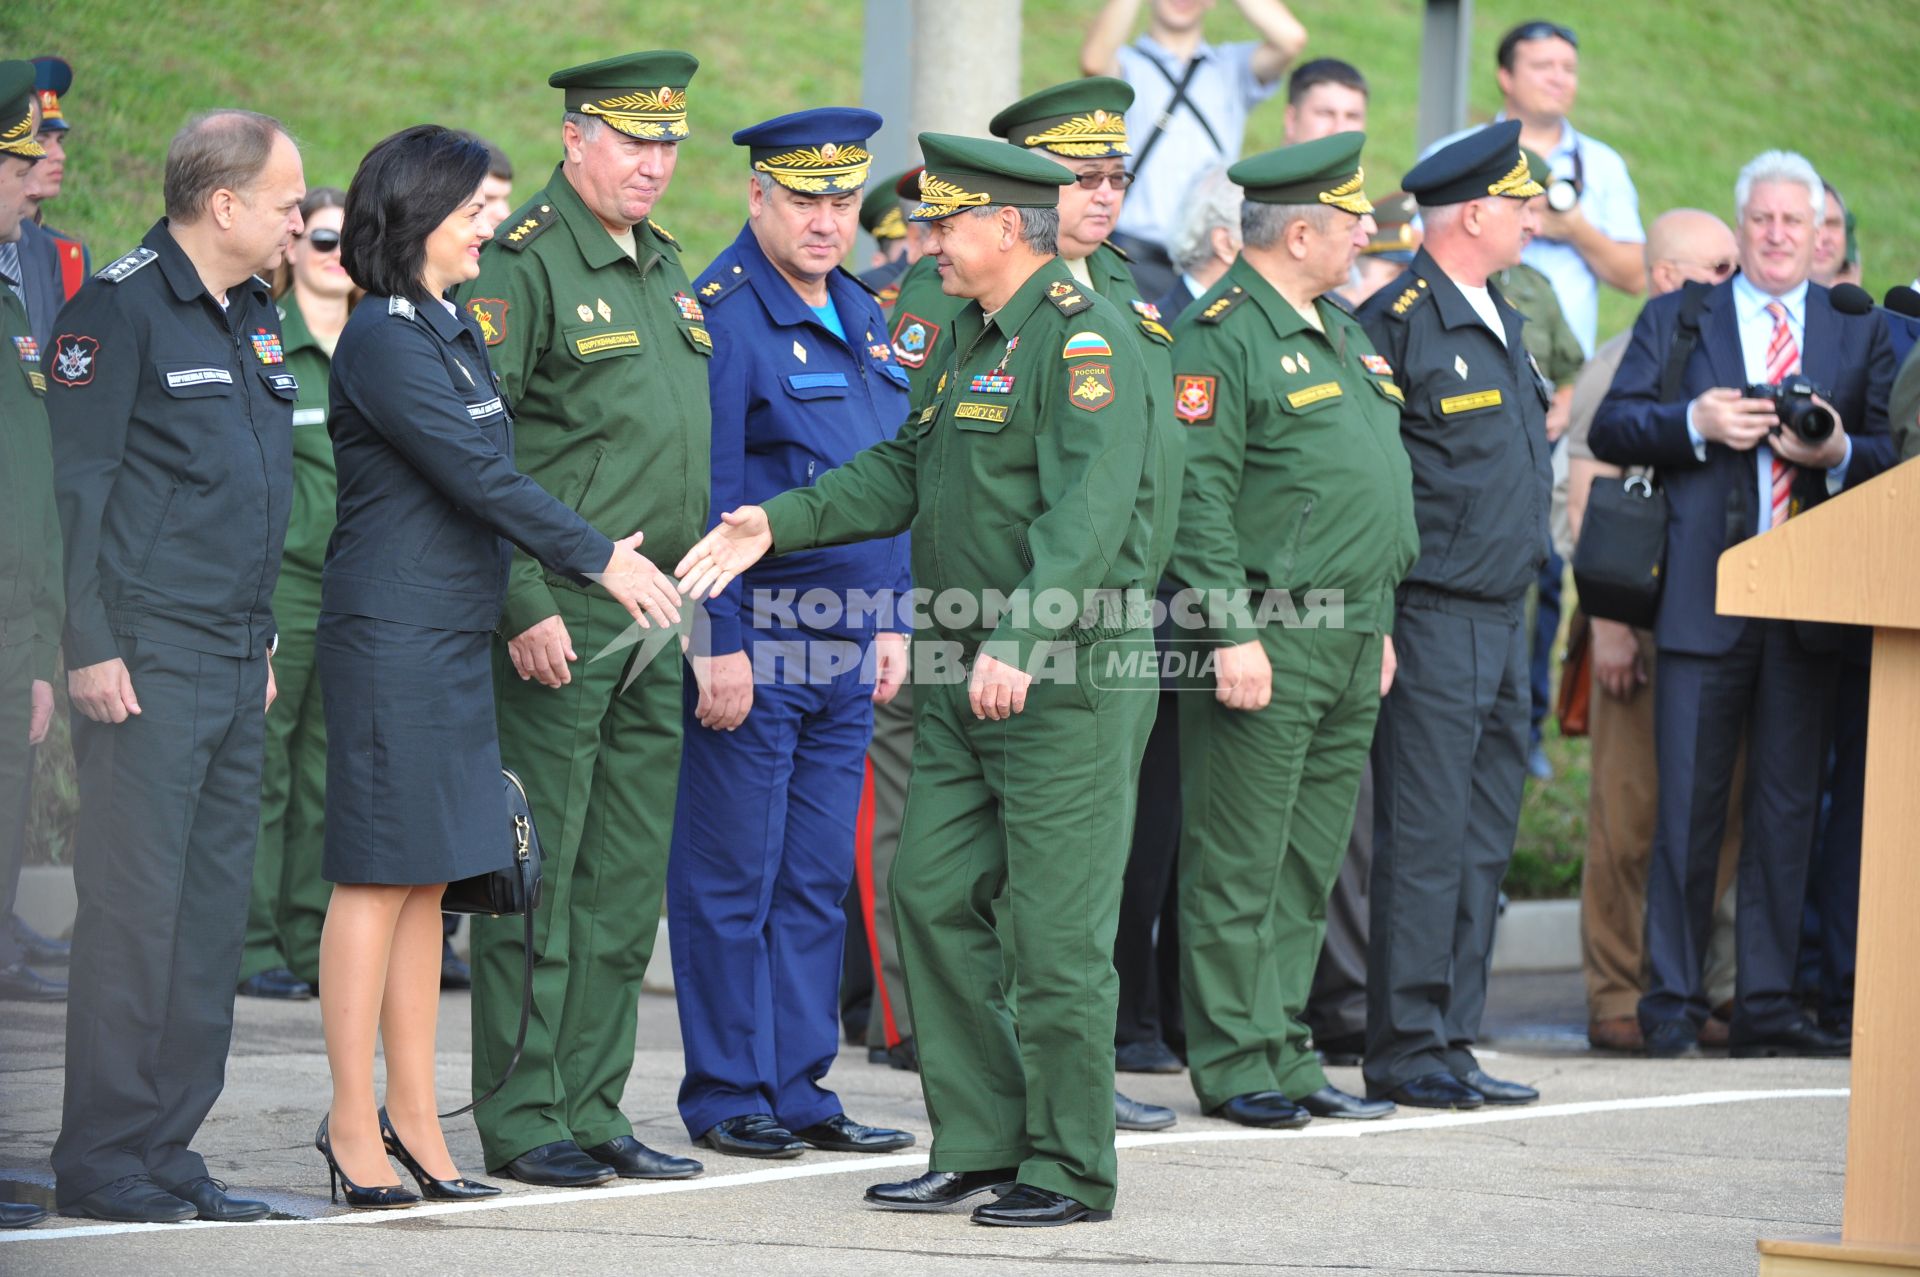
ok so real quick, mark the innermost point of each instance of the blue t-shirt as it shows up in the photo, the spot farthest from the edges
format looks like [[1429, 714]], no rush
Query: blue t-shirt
[[830, 317]]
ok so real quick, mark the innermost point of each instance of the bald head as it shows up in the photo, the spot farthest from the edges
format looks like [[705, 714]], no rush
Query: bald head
[[1688, 244]]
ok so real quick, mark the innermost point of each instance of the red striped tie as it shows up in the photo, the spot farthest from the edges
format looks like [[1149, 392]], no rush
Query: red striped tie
[[1783, 360]]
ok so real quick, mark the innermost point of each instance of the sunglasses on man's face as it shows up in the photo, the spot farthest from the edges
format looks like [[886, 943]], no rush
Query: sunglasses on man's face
[[323, 241], [1091, 181], [1544, 31]]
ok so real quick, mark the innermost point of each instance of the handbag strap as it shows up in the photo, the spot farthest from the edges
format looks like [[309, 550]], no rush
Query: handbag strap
[[526, 1013], [1174, 103]]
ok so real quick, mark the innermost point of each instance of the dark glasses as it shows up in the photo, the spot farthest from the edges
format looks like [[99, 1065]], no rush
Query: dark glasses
[[1542, 31], [323, 241], [1091, 181]]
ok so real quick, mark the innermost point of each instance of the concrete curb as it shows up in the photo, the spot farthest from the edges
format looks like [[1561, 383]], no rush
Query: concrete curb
[[1533, 935]]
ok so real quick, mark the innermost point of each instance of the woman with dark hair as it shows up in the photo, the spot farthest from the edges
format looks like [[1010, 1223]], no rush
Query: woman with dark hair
[[415, 576], [289, 901]]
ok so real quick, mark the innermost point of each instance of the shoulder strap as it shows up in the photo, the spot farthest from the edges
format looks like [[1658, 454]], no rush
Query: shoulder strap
[[1686, 336], [1174, 103]]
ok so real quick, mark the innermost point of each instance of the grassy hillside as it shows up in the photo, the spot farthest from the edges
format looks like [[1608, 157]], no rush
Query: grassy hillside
[[1686, 92]]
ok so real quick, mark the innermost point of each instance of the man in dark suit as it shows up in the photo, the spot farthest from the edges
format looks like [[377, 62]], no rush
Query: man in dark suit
[[1732, 470]]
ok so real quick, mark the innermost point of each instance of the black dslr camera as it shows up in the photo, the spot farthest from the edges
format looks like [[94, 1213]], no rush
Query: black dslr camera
[[1793, 403]]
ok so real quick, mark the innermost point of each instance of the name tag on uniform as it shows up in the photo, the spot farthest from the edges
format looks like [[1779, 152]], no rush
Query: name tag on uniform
[[285, 381], [309, 416], [606, 341], [700, 336], [479, 410], [995, 412], [1468, 403], [1391, 390], [38, 380], [1314, 394], [198, 377], [927, 414]]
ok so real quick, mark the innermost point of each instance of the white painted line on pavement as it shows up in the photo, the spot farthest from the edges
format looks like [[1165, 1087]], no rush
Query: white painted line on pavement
[[1325, 1130]]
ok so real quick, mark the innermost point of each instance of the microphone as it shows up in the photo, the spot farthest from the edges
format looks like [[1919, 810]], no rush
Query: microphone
[[1851, 299], [1902, 300]]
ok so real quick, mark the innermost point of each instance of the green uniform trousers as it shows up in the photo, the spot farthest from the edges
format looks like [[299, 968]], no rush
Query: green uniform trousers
[[1038, 806], [1268, 800], [289, 899], [601, 766], [891, 754]]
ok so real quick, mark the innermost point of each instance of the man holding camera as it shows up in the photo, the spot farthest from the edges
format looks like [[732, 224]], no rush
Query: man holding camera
[[1810, 421]]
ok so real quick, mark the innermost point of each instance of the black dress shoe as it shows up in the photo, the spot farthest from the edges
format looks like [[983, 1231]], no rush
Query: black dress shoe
[[39, 948], [631, 1159], [561, 1164], [1671, 1040], [454, 974], [1331, 1101], [841, 1134], [20, 983], [1344, 1052], [209, 1197], [20, 1215], [1268, 1109], [132, 1199], [1495, 1091], [1432, 1091], [277, 983], [1146, 1057], [1030, 1207], [1133, 1115], [937, 1190], [1802, 1038], [751, 1135], [904, 1055]]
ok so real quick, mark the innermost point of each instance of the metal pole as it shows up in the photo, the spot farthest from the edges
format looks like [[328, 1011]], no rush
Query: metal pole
[[966, 63], [1445, 40], [886, 87]]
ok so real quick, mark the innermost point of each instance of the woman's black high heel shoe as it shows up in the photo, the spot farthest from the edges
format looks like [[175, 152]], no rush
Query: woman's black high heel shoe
[[384, 1197], [434, 1190]]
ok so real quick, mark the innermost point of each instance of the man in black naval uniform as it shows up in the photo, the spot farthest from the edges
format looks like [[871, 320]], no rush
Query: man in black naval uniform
[[172, 414], [1450, 752]]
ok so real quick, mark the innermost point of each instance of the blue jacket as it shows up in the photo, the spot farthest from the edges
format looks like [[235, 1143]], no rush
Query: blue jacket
[[781, 419], [1712, 503], [424, 448]]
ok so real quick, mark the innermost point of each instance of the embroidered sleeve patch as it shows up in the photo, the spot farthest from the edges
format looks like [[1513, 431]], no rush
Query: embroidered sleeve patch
[[1090, 386], [913, 340], [73, 359], [490, 313], [1469, 403], [1086, 346], [1193, 397]]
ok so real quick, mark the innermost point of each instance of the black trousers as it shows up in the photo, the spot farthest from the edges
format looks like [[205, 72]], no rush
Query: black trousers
[[163, 859], [1145, 949], [1449, 763], [1779, 694], [1830, 931]]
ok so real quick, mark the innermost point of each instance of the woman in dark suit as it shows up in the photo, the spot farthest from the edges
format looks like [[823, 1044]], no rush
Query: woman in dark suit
[[416, 572]]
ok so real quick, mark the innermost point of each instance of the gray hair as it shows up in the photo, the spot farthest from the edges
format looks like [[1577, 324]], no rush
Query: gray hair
[[1779, 166], [1039, 227], [589, 125], [1213, 201], [1262, 225], [226, 149]]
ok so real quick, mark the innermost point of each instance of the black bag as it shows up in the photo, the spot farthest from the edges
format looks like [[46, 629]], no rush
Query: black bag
[[504, 892], [1618, 565]]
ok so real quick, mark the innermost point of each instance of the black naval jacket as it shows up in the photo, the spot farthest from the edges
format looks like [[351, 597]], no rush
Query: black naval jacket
[[1475, 429], [173, 457]]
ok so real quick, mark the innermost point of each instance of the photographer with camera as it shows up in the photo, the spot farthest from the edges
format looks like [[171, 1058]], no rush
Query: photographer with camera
[[1778, 400]]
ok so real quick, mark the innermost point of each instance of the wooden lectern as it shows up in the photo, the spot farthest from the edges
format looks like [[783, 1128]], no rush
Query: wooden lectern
[[1856, 559]]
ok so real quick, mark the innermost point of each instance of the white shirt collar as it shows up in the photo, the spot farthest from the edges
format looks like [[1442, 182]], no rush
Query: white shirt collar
[[1153, 46], [1752, 302], [1569, 137]]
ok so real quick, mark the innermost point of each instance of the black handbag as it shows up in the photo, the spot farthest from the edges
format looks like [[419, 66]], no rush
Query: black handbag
[[502, 893], [1618, 564]]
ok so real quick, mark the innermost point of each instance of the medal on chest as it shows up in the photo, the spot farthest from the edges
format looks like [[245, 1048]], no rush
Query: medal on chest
[[999, 381], [266, 347]]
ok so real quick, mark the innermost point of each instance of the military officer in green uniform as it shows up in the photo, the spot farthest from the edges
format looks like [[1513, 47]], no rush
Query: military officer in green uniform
[[31, 609], [601, 348], [1024, 481], [1297, 495], [1548, 337], [1450, 750]]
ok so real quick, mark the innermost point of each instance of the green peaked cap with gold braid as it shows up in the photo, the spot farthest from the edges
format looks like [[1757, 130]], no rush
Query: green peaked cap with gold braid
[[973, 172], [1324, 171], [643, 95], [17, 133], [1081, 119]]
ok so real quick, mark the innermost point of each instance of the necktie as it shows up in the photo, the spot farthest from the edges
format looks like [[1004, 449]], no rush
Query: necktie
[[10, 270], [1783, 360]]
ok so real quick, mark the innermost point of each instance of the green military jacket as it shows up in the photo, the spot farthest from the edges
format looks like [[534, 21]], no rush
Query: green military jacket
[[1547, 336], [603, 361], [1023, 473], [315, 487], [32, 604], [921, 316], [1296, 479]]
